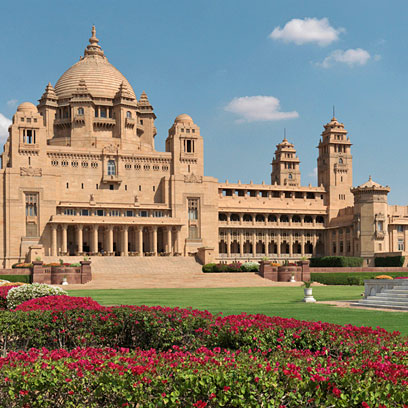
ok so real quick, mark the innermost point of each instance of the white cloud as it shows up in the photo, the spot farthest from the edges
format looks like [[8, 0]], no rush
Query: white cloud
[[12, 103], [4, 124], [308, 30], [258, 108], [349, 57], [313, 173]]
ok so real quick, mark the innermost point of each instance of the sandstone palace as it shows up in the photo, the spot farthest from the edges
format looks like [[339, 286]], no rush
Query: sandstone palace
[[80, 175]]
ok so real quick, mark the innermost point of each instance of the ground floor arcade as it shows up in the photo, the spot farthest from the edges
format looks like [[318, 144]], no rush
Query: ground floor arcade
[[123, 240]]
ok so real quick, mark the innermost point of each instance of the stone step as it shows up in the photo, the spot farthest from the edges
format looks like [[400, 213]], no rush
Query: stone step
[[380, 306], [381, 301], [391, 295], [395, 291]]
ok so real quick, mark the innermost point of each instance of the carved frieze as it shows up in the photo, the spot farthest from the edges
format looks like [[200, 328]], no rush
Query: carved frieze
[[192, 178], [30, 171]]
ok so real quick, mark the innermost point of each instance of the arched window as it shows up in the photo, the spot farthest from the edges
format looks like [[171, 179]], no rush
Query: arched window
[[80, 111], [260, 218], [290, 176], [111, 168], [128, 114], [340, 161]]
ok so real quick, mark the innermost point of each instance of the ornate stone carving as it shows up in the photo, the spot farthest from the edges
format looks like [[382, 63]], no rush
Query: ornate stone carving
[[30, 171], [192, 178], [110, 149]]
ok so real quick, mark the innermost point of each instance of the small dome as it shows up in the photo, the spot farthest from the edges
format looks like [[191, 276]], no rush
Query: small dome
[[184, 118], [27, 107]]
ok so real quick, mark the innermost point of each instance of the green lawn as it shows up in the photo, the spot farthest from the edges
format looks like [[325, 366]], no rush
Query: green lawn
[[273, 301]]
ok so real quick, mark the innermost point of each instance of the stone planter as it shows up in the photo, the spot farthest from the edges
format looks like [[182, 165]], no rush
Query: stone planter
[[309, 296]]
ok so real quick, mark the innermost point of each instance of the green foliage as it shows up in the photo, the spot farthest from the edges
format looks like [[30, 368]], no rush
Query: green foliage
[[75, 265], [336, 261], [232, 267], [385, 261], [352, 278], [17, 278], [16, 296]]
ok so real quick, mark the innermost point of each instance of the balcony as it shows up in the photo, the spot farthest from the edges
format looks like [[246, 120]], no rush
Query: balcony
[[104, 122], [62, 123], [111, 178]]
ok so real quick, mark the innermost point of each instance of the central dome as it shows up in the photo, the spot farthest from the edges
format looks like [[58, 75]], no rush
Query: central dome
[[101, 78]]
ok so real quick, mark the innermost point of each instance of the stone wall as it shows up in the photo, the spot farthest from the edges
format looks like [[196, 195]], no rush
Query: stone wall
[[382, 270]]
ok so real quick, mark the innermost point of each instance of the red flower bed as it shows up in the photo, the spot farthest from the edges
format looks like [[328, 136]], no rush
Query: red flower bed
[[204, 378], [4, 290], [60, 303]]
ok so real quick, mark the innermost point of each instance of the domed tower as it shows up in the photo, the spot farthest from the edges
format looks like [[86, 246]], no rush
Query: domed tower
[[94, 105], [285, 165], [335, 167], [186, 145]]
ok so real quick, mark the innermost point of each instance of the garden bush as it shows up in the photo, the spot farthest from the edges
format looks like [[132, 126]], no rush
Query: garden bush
[[232, 267], [22, 265], [4, 290], [336, 261], [59, 303], [342, 278], [19, 295], [385, 261]]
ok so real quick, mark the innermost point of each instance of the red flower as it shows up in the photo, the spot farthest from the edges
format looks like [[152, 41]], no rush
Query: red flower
[[226, 388]]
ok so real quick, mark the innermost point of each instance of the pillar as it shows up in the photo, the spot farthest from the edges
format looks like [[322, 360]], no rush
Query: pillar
[[140, 240], [94, 248], [64, 239], [241, 243], [110, 238], [177, 241], [154, 241], [79, 238], [302, 251], [267, 243], [53, 239], [228, 243], [168, 240], [291, 244], [278, 243], [125, 241], [253, 243]]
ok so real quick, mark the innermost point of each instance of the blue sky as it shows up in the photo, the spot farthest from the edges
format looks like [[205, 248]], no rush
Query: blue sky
[[214, 59]]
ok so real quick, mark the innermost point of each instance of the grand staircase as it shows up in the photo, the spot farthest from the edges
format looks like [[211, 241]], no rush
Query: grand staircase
[[395, 298], [163, 272]]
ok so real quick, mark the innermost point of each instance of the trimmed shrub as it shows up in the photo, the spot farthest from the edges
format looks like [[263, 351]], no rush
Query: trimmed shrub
[[397, 261], [18, 295], [4, 290], [336, 262], [208, 267], [17, 278], [22, 265], [250, 267], [339, 278], [383, 277]]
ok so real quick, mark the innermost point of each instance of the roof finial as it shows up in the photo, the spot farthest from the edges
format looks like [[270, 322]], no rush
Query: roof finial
[[93, 47], [93, 31], [369, 178]]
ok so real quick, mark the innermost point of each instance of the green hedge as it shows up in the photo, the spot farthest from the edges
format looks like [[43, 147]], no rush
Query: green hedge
[[336, 261], [390, 261], [354, 278], [17, 278], [232, 267]]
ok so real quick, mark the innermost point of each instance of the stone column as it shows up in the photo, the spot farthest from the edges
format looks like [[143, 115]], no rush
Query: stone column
[[64, 238], [291, 244], [139, 240], [228, 243], [177, 241], [302, 251], [253, 243], [267, 243], [53, 239], [110, 238], [79, 238], [241, 243], [154, 240], [314, 238], [94, 239], [125, 240], [278, 243], [168, 240]]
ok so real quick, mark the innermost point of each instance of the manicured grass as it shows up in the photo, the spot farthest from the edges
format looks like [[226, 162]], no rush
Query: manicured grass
[[274, 301]]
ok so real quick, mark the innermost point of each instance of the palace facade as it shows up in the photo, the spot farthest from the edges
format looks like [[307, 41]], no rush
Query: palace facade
[[80, 175]]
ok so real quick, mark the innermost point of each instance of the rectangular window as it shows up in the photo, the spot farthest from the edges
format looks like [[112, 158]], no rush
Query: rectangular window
[[114, 213], [400, 245], [100, 213], [103, 112], [69, 211], [192, 232], [193, 208], [380, 225], [400, 228], [158, 214], [31, 204], [84, 212], [130, 213], [143, 213], [334, 247]]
